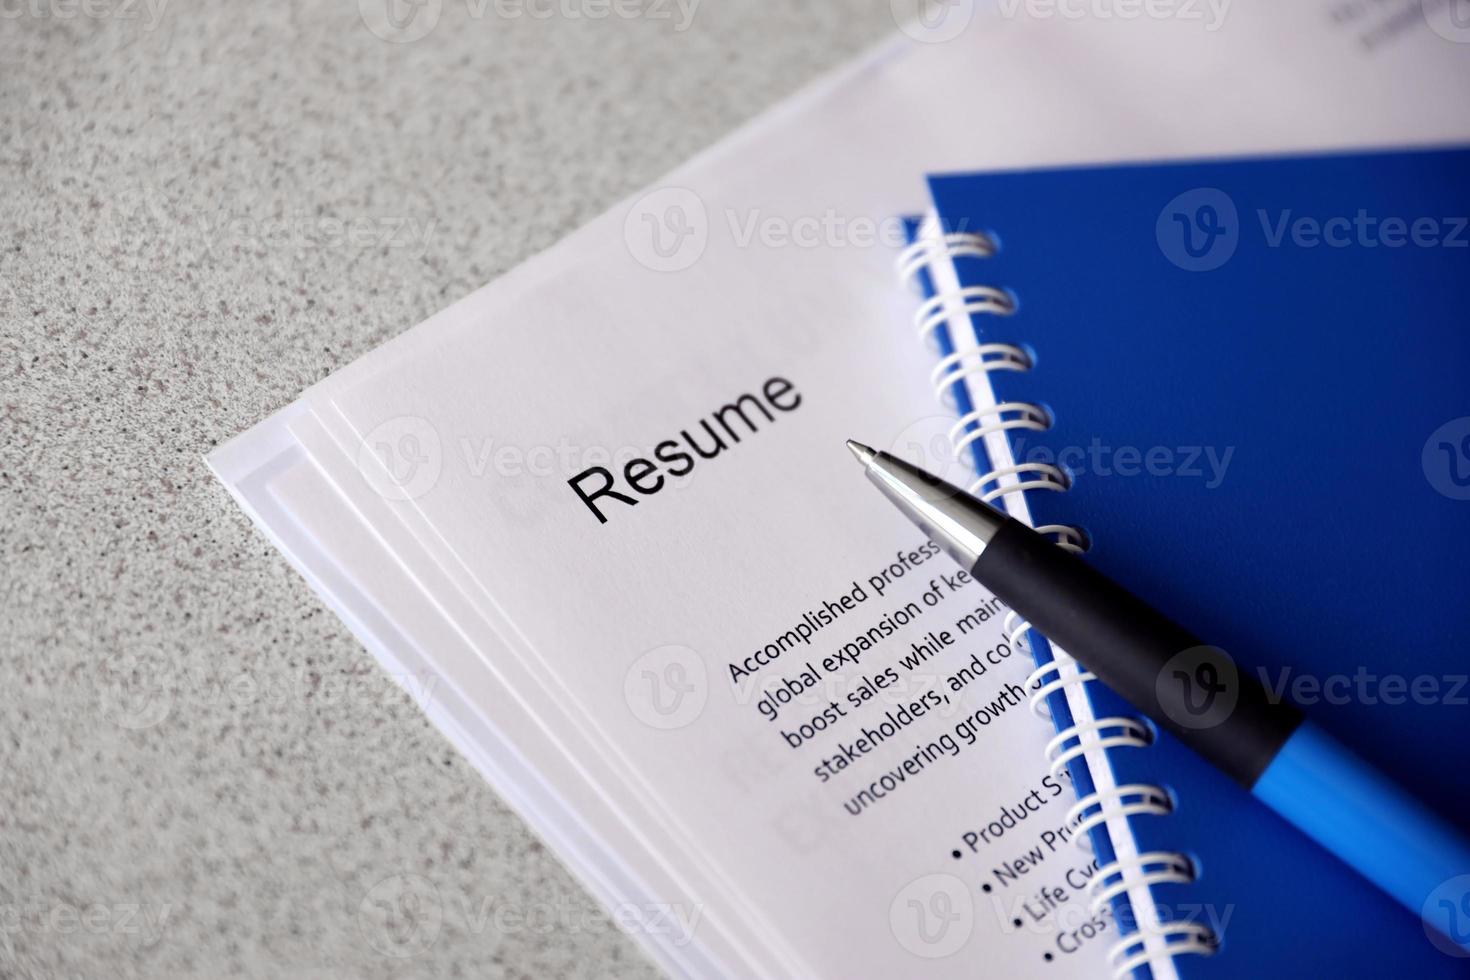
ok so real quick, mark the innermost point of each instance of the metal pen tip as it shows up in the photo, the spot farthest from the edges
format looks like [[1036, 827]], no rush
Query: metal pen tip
[[952, 519], [863, 453]]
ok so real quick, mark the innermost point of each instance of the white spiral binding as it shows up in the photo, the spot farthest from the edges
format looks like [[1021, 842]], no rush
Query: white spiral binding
[[1027, 416], [1126, 733], [1137, 799], [1015, 626], [1042, 688], [938, 308], [957, 245], [1153, 868], [986, 357], [1180, 938], [1134, 799], [1032, 476]]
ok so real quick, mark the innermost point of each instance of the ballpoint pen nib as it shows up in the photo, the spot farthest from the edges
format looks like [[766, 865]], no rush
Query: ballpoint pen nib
[[863, 453]]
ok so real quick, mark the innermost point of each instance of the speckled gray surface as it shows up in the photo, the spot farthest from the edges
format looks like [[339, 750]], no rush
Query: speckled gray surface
[[207, 207]]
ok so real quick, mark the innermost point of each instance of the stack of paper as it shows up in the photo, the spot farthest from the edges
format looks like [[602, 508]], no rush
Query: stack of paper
[[604, 505]]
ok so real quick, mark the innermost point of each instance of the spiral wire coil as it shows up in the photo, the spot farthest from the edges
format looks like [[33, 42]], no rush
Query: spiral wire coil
[[1137, 799]]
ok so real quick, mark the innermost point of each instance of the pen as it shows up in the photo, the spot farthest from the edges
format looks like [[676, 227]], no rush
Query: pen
[[1192, 690]]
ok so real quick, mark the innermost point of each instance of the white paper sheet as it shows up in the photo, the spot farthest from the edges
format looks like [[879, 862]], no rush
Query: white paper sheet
[[773, 260]]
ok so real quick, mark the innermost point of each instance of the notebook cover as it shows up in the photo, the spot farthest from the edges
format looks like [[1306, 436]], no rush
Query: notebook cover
[[1260, 388]]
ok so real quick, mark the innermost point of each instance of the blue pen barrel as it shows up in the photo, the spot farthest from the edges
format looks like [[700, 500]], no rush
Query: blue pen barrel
[[1262, 742], [1353, 811], [1196, 693]]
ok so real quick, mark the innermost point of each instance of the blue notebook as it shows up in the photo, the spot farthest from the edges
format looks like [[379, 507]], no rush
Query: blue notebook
[[1246, 385]]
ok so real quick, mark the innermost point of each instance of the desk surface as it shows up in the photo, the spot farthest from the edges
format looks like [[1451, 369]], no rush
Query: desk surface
[[207, 207]]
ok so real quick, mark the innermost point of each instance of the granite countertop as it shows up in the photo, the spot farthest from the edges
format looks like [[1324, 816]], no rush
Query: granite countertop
[[207, 207]]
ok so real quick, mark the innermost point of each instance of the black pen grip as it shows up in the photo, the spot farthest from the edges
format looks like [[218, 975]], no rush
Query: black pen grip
[[1192, 690]]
